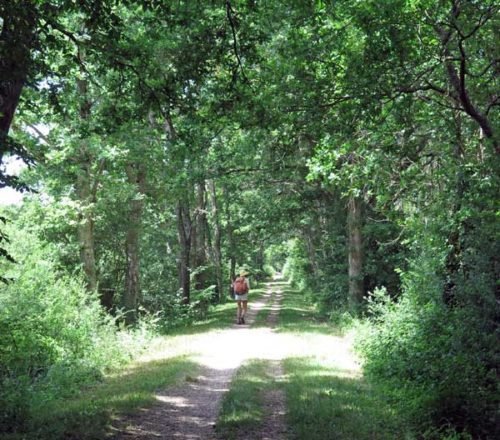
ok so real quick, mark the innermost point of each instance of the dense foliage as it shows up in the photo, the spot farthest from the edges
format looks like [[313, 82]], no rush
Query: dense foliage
[[353, 145], [56, 337]]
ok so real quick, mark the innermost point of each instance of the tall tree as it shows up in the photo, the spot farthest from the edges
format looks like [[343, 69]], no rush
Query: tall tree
[[136, 176], [85, 189], [185, 228], [217, 239], [201, 236], [355, 249]]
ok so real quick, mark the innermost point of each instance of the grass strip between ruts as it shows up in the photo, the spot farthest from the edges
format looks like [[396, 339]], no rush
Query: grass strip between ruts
[[241, 410]]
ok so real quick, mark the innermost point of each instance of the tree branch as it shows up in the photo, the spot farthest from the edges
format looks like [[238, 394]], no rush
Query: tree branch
[[40, 134], [457, 79], [230, 12]]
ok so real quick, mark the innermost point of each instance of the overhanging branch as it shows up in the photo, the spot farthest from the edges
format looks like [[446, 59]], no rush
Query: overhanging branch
[[230, 13]]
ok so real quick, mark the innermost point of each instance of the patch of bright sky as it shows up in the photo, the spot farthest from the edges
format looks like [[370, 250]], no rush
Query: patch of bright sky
[[13, 165]]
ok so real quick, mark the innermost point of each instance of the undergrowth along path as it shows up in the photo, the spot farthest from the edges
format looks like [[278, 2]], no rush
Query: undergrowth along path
[[287, 374]]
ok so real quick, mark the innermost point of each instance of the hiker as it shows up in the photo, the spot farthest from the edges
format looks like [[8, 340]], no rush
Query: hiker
[[241, 287]]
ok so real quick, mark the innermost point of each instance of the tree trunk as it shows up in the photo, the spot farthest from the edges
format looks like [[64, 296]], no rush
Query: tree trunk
[[9, 98], [230, 235], [308, 235], [136, 176], [184, 228], [200, 237], [17, 37], [86, 195], [260, 257], [86, 226], [217, 252], [354, 226]]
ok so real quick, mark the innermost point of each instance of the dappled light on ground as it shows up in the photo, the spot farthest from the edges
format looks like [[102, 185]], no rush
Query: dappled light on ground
[[222, 349]]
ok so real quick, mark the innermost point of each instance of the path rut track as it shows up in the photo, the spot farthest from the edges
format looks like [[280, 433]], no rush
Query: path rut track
[[190, 410], [273, 426]]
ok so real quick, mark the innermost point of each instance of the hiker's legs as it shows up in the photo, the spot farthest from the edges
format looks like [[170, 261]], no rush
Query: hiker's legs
[[244, 309], [239, 310]]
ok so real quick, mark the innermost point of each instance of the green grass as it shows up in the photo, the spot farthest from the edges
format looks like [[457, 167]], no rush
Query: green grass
[[261, 318], [241, 410], [323, 404], [326, 399], [89, 415], [299, 315]]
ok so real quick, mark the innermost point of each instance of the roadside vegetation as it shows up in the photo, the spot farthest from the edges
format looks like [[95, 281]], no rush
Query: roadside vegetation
[[327, 395], [67, 367]]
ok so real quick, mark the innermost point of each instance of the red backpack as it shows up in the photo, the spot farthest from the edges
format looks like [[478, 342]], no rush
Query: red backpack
[[240, 286]]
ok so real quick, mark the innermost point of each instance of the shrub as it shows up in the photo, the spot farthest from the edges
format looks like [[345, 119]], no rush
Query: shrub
[[55, 335], [436, 361]]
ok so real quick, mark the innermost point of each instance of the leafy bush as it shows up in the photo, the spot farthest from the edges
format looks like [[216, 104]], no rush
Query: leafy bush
[[55, 335], [297, 266], [435, 360]]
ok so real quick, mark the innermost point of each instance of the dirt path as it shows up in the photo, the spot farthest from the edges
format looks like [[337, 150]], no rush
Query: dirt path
[[189, 411]]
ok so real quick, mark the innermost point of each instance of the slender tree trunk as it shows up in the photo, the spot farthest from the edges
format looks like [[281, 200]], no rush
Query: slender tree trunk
[[132, 296], [200, 237], [232, 267], [184, 227], [308, 235], [260, 257], [230, 235], [86, 226], [355, 249], [184, 230], [86, 195], [217, 250]]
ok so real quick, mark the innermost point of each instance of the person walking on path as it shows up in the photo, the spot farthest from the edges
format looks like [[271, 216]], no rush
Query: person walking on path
[[241, 287]]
